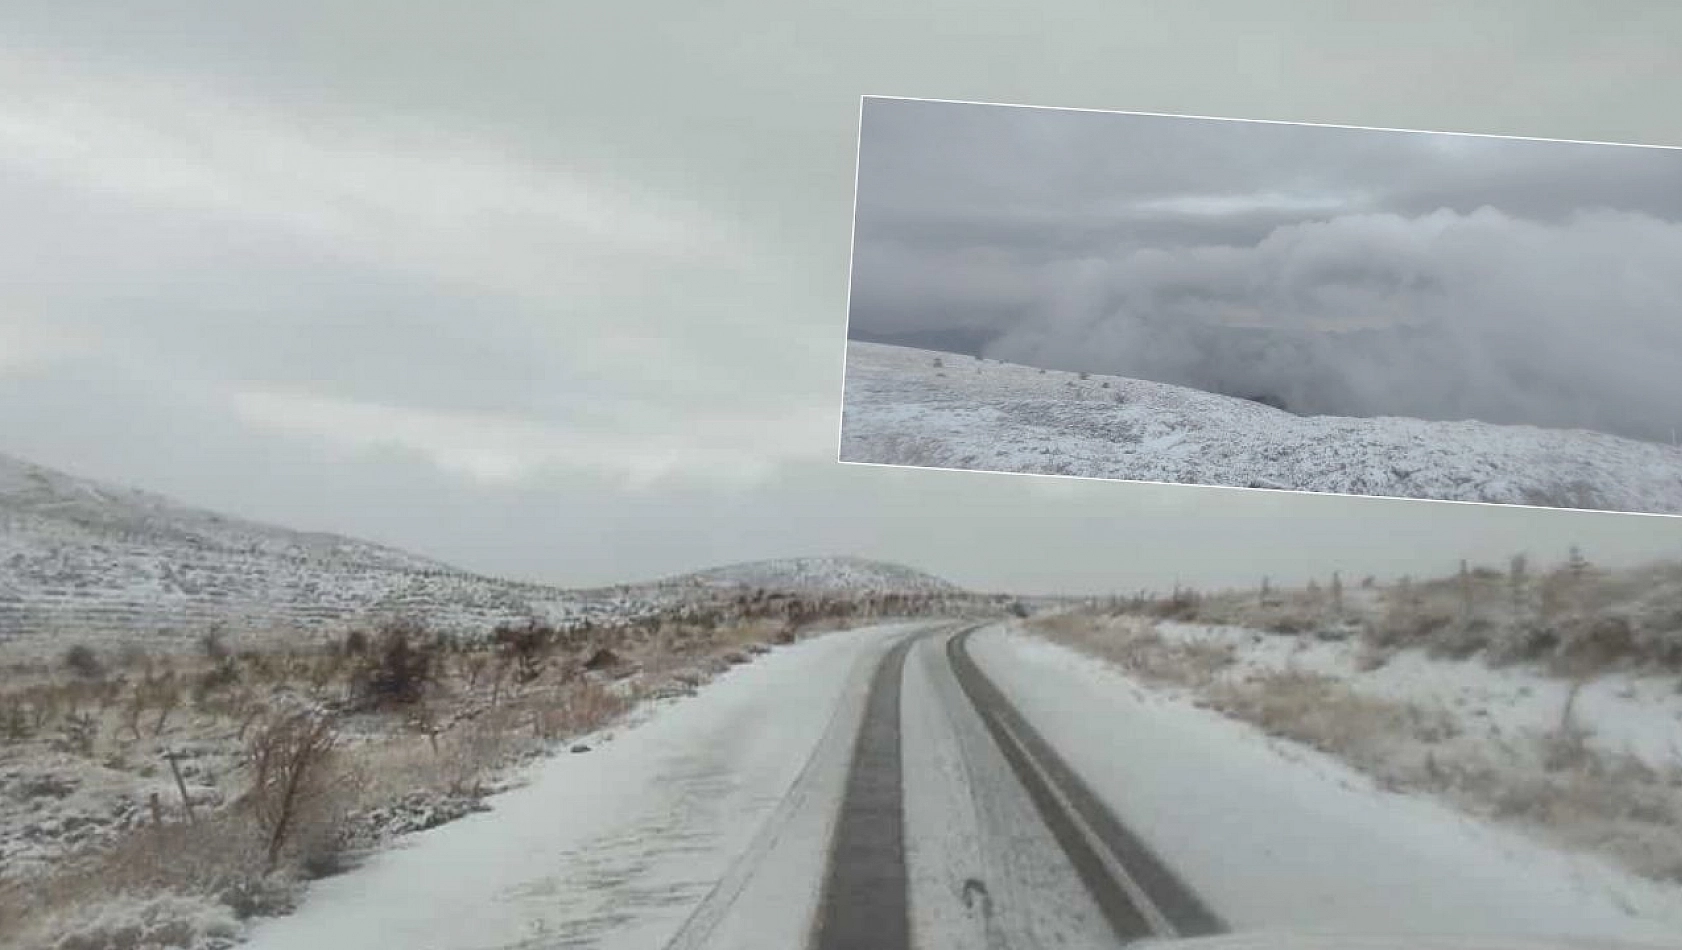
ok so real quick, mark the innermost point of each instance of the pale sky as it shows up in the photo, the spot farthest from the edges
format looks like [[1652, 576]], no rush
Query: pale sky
[[559, 291]]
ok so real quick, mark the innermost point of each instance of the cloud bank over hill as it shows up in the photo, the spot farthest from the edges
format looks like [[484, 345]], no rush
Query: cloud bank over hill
[[1339, 271], [1482, 315]]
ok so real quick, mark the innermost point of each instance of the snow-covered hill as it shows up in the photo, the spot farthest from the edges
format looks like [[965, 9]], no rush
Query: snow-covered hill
[[918, 407], [39, 495], [821, 574], [82, 561]]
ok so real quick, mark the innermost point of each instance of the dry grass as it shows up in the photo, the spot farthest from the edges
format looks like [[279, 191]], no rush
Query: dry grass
[[300, 768], [1566, 618], [1134, 644], [410, 730], [1322, 712], [577, 708]]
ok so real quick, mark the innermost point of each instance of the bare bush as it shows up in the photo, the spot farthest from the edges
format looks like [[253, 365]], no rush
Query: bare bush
[[289, 767], [83, 662], [398, 668]]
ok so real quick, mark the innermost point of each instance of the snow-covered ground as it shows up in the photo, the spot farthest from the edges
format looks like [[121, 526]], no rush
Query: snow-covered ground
[[617, 847], [902, 408], [818, 575], [1622, 711], [705, 822], [1278, 837]]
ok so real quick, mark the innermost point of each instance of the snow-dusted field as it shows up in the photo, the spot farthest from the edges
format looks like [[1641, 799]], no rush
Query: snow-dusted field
[[1278, 837], [1622, 711], [903, 409], [704, 823]]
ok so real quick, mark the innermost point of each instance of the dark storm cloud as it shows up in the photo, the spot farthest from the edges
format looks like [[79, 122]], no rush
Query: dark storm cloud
[[1507, 280]]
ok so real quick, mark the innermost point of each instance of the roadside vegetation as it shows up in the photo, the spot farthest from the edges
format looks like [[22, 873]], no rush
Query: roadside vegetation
[[153, 799], [1357, 671]]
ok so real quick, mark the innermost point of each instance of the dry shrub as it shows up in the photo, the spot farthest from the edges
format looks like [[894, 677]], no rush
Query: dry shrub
[[473, 750], [82, 661], [581, 706], [1316, 710], [133, 923], [397, 669], [1609, 803], [1137, 646], [291, 777], [1409, 625], [219, 859]]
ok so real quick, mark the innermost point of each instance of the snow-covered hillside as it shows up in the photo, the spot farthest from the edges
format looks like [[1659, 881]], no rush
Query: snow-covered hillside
[[821, 574], [918, 407], [82, 561]]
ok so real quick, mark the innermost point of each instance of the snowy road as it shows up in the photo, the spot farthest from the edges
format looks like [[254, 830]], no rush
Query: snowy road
[[885, 788], [1043, 839]]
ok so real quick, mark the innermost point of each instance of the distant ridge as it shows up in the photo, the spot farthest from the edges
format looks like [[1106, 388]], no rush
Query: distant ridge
[[808, 574], [85, 561]]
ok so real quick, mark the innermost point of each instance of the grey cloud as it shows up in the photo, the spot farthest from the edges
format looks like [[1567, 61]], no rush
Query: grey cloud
[[1507, 280], [1475, 316]]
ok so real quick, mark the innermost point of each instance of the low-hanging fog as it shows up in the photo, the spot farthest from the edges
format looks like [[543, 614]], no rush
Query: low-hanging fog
[[1331, 271]]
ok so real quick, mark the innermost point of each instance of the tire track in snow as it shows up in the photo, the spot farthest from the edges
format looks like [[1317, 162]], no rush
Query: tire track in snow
[[1139, 895], [866, 898], [701, 928]]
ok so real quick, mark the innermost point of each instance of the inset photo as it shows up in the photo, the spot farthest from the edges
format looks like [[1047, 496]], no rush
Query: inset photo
[[1257, 304]]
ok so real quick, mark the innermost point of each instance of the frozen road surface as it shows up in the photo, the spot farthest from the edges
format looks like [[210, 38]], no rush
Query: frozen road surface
[[943, 785]]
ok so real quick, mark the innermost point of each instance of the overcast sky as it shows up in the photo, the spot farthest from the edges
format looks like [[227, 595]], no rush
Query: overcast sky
[[1543, 279], [558, 291]]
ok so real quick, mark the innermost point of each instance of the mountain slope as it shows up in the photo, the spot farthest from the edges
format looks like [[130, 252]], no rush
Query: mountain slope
[[83, 561], [902, 408], [41, 496]]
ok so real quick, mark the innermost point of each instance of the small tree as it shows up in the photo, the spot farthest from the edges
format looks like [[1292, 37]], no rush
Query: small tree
[[84, 662], [356, 643], [399, 668], [289, 762]]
